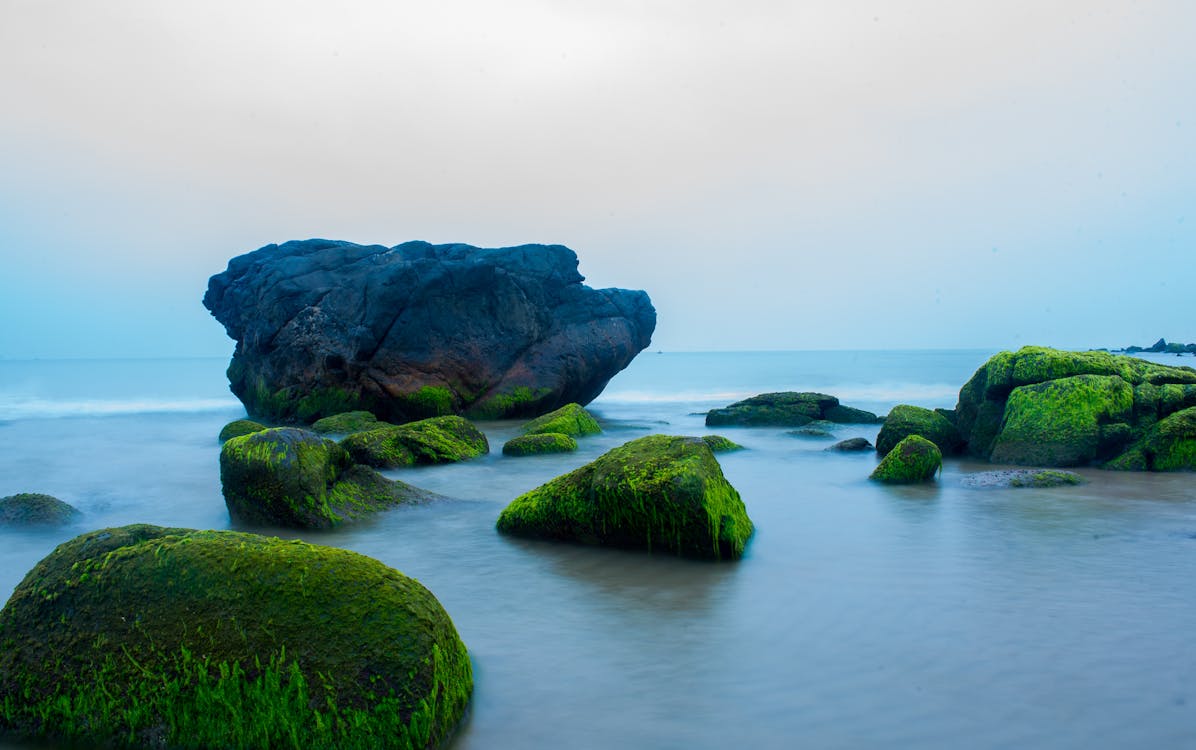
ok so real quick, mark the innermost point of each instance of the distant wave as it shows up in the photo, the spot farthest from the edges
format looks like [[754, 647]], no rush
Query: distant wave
[[23, 407], [894, 393]]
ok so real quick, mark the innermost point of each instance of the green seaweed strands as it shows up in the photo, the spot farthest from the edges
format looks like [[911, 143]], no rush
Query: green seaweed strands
[[142, 636], [657, 493]]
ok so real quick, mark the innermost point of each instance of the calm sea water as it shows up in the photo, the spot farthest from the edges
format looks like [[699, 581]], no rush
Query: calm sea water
[[862, 616]]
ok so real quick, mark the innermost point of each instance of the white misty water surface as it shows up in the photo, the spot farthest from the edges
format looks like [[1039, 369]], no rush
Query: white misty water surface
[[862, 615]]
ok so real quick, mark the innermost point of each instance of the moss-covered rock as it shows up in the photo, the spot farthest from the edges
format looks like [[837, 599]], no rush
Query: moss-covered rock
[[1069, 421], [981, 411], [437, 440], [786, 409], [1169, 445], [144, 636], [850, 445], [570, 419], [905, 420], [239, 427], [291, 477], [347, 423], [720, 444], [1039, 478], [531, 445], [914, 459], [34, 508], [820, 430], [659, 493]]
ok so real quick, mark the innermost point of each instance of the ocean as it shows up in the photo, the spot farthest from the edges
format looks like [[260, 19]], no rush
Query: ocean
[[928, 616]]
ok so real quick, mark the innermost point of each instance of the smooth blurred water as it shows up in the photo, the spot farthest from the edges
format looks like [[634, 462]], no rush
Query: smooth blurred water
[[862, 616]]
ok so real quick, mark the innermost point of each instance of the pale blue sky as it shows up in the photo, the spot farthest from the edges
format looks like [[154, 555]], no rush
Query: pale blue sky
[[775, 175]]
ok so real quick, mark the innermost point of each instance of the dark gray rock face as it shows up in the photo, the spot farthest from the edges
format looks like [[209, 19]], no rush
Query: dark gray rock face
[[420, 330]]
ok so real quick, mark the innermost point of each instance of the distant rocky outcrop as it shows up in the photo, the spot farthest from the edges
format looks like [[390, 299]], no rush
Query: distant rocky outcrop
[[787, 409], [1046, 407], [420, 330], [1162, 347]]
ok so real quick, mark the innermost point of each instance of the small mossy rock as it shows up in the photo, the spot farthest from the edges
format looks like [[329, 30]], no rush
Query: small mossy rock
[[1069, 421], [570, 419], [346, 423], [34, 508], [239, 427], [720, 444], [784, 409], [819, 430], [905, 420], [145, 636], [914, 459], [660, 493], [438, 440], [531, 445], [1169, 445], [851, 444], [291, 477], [981, 410], [1021, 478]]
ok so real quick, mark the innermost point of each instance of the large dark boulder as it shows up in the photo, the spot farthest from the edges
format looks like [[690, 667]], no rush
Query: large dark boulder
[[1056, 408], [142, 636], [291, 477], [787, 409], [420, 330], [660, 493]]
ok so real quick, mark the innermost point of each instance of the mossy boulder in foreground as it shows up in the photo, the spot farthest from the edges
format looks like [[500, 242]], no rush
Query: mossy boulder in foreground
[[290, 477], [905, 420], [1169, 445], [570, 419], [239, 427], [659, 493], [437, 440], [346, 423], [787, 409], [531, 445], [34, 508], [142, 636], [914, 459]]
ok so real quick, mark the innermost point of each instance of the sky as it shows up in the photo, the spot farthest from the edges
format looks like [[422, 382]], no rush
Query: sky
[[776, 175]]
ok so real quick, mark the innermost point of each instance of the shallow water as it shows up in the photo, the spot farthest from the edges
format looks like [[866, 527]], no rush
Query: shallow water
[[861, 616]]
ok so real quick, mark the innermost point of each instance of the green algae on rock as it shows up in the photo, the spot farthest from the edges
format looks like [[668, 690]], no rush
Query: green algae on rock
[[660, 493], [720, 444], [570, 419], [786, 409], [437, 440], [286, 476], [532, 445], [1017, 478], [142, 636], [34, 508], [346, 423], [1169, 445], [914, 459], [851, 445], [905, 420], [239, 427]]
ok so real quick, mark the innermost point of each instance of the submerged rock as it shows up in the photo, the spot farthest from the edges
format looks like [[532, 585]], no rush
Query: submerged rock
[[420, 330], [720, 444], [852, 444], [347, 423], [570, 419], [914, 459], [905, 420], [819, 430], [1050, 407], [154, 637], [35, 509], [291, 477], [1021, 478], [239, 427], [542, 442], [659, 493], [786, 409], [1169, 445], [438, 440]]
